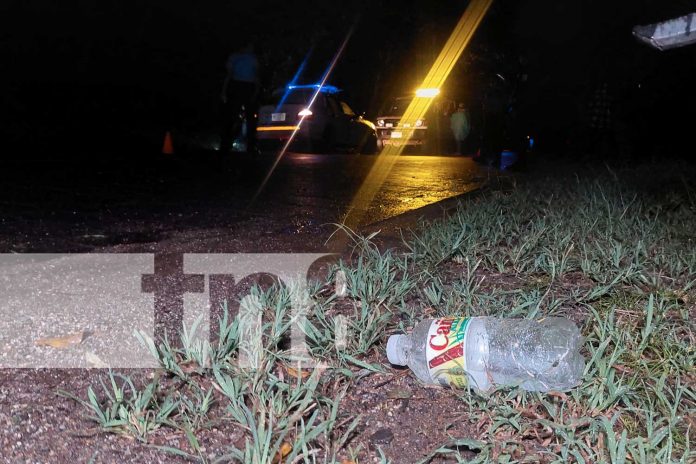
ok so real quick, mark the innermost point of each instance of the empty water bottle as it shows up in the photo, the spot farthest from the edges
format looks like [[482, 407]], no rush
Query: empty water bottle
[[485, 351]]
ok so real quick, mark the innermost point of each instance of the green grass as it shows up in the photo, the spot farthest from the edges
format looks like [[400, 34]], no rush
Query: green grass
[[613, 250], [612, 254]]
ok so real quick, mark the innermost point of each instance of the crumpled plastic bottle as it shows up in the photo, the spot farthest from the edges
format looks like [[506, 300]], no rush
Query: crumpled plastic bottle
[[484, 352]]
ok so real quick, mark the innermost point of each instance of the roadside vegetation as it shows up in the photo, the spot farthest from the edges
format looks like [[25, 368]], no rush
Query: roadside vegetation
[[612, 249]]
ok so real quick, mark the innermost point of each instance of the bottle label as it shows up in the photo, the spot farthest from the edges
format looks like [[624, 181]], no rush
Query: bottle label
[[445, 351]]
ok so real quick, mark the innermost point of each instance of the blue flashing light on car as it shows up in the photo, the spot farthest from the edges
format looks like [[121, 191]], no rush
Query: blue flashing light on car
[[295, 78], [330, 89]]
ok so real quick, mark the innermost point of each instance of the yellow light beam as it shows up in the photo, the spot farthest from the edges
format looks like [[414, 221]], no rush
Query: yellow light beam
[[440, 70]]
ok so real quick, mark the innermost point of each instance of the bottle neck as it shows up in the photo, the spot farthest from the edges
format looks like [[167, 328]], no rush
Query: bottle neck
[[398, 347]]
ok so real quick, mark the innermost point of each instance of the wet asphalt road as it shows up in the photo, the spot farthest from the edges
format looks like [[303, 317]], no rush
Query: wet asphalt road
[[171, 206], [54, 205]]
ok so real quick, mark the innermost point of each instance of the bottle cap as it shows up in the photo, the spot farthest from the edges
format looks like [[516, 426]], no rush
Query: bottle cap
[[395, 350]]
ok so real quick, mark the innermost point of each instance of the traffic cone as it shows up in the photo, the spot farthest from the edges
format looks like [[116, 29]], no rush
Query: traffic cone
[[168, 146]]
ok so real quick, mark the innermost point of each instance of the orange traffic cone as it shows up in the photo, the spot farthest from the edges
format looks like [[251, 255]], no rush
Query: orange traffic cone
[[168, 146]]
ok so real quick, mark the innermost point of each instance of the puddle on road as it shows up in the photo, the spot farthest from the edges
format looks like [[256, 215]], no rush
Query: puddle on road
[[387, 205]]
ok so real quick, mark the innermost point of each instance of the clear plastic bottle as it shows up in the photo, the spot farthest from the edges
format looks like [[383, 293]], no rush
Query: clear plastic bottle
[[486, 351]]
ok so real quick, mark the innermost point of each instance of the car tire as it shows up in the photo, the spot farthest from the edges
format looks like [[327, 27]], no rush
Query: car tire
[[327, 144], [369, 145], [308, 146], [425, 148]]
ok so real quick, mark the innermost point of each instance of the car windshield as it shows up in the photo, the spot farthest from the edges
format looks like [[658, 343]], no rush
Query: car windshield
[[398, 106]]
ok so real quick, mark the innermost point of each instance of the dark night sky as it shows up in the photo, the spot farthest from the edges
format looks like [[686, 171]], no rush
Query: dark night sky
[[164, 59]]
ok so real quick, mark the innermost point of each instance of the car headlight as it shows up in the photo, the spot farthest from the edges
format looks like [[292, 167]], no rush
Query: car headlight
[[427, 92], [305, 112], [380, 122], [419, 122]]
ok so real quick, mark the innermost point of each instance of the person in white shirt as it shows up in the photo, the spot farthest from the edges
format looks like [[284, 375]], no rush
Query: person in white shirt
[[459, 122]]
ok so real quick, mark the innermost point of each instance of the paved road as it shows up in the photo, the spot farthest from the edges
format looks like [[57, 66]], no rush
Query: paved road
[[318, 181], [171, 206], [61, 206]]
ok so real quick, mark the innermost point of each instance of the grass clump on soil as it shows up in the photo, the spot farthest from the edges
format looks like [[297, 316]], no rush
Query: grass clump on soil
[[612, 250]]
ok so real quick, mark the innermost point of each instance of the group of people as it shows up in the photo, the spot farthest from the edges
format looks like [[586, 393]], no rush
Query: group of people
[[493, 124]]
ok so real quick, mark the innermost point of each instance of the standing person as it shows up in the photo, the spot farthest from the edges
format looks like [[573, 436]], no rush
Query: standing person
[[240, 91], [459, 122], [494, 111], [601, 121]]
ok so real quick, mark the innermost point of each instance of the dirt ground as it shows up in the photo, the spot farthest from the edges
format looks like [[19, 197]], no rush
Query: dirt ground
[[108, 207], [401, 417]]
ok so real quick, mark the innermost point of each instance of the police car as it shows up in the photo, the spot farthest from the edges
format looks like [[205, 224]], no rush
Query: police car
[[315, 118]]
